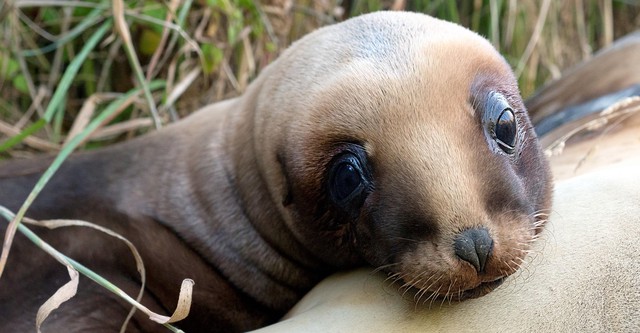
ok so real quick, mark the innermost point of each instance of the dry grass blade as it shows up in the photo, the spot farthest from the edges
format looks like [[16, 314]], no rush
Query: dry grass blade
[[54, 224], [173, 7], [182, 86], [30, 141], [102, 132], [607, 22], [495, 35], [186, 290], [35, 105], [63, 294], [86, 113], [183, 307], [537, 31], [122, 29], [121, 128]]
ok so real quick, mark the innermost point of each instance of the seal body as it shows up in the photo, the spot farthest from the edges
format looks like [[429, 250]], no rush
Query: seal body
[[393, 140]]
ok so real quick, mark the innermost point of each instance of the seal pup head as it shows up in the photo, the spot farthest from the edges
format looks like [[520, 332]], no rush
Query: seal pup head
[[401, 140]]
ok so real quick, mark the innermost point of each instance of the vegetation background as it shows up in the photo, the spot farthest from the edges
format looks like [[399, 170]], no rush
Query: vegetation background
[[62, 62]]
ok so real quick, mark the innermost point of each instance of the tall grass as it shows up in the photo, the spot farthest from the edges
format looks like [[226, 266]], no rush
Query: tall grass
[[207, 50]]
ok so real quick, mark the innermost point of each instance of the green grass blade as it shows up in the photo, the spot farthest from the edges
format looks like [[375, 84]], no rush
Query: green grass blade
[[78, 139], [63, 87], [74, 67], [92, 18], [14, 140], [55, 165]]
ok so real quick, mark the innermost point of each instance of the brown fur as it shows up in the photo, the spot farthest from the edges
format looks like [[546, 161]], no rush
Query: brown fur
[[236, 195]]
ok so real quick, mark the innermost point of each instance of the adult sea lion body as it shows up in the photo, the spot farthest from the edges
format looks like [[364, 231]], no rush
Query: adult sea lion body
[[393, 139]]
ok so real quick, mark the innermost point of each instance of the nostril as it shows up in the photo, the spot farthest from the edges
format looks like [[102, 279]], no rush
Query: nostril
[[474, 246]]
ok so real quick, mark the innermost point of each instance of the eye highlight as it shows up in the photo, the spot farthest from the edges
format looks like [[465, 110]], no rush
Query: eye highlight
[[505, 131], [499, 121]]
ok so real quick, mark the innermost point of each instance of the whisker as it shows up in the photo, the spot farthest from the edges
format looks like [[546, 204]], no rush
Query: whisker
[[391, 277], [422, 291], [435, 295], [429, 287], [379, 268], [408, 285], [447, 293]]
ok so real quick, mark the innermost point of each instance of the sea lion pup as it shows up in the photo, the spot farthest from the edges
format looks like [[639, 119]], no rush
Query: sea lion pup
[[584, 274], [394, 140]]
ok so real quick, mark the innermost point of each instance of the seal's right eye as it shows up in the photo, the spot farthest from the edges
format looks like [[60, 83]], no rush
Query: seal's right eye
[[348, 181]]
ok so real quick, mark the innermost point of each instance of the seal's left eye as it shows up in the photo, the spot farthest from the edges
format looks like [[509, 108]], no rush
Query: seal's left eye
[[499, 121], [505, 131]]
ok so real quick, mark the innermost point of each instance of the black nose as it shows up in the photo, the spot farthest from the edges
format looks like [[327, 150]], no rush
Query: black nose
[[474, 246]]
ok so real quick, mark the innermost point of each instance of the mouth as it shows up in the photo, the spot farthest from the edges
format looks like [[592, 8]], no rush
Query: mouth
[[481, 290], [476, 292]]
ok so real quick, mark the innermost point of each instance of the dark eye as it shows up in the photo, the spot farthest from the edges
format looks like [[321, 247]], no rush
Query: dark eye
[[346, 180], [500, 123], [505, 131], [349, 180]]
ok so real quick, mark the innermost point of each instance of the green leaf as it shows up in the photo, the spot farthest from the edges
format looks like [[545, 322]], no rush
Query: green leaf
[[158, 12], [149, 41], [271, 47], [155, 10], [236, 23], [20, 83], [8, 67], [50, 15], [212, 57], [214, 3]]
